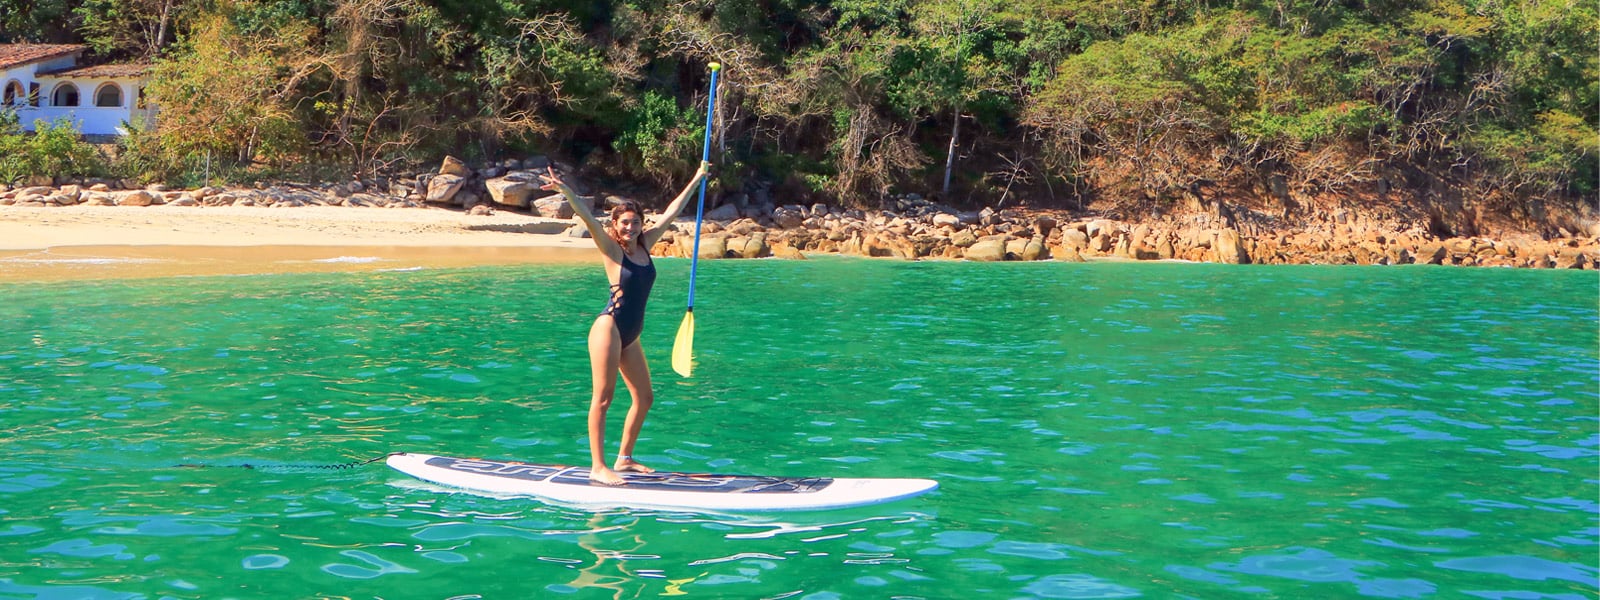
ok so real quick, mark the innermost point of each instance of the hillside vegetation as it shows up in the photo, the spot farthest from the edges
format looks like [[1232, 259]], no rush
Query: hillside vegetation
[[1127, 105]]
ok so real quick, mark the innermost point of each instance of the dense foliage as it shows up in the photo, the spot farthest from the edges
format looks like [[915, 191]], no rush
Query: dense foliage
[[53, 148], [1047, 101]]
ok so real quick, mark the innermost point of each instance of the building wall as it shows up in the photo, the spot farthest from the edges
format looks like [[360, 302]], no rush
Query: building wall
[[86, 117]]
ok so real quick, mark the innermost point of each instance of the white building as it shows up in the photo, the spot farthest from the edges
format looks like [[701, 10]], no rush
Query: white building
[[44, 82]]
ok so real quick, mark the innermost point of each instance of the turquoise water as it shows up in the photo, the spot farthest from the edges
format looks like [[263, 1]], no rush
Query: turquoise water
[[1100, 431]]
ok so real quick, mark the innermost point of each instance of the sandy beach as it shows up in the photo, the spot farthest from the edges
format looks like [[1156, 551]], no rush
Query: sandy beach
[[103, 242]]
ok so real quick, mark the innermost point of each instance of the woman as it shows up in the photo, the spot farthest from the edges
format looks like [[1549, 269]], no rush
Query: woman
[[614, 338]]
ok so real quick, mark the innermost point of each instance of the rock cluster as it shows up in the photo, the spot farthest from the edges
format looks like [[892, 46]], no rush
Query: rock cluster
[[118, 193], [918, 229], [510, 184], [748, 225]]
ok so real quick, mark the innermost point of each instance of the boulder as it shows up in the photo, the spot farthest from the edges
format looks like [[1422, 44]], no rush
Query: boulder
[[713, 247], [1035, 250], [755, 246], [359, 200], [888, 243], [726, 212], [1571, 258], [1432, 253], [442, 188], [1229, 249], [744, 227], [991, 250], [1164, 249], [787, 217], [1124, 247], [454, 166], [1070, 254], [1015, 248], [1074, 239], [510, 191], [1138, 237], [137, 198], [554, 206], [1102, 227], [788, 252], [99, 199], [1101, 243], [1044, 225]]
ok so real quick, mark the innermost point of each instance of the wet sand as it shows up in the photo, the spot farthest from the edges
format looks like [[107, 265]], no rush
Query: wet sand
[[112, 242], [134, 262]]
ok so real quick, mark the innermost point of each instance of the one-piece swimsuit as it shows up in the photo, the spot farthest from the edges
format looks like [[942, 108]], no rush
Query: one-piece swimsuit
[[628, 297]]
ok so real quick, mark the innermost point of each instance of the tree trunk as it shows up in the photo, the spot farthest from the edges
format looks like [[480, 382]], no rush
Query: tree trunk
[[950, 155], [161, 31]]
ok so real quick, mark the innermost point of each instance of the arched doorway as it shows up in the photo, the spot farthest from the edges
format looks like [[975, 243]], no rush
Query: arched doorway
[[108, 96], [15, 95], [66, 94]]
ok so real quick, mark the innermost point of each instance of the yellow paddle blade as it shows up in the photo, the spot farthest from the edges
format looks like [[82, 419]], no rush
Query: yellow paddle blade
[[683, 348]]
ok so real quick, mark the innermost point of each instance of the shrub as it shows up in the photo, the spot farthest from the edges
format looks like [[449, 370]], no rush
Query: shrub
[[53, 149]]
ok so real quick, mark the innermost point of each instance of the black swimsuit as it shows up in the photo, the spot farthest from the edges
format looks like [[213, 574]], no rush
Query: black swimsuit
[[628, 296]]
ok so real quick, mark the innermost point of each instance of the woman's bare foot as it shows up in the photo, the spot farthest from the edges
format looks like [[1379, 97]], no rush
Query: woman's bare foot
[[632, 466], [604, 476]]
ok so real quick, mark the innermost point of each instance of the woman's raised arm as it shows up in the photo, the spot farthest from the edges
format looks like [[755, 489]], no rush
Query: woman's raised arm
[[653, 235], [597, 232]]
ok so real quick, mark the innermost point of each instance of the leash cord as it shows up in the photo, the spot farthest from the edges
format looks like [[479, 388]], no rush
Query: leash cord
[[292, 467]]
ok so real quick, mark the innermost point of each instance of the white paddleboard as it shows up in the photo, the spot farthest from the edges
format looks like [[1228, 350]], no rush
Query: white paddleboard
[[571, 485]]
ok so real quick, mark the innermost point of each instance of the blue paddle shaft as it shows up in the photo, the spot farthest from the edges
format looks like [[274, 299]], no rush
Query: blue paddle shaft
[[700, 207]]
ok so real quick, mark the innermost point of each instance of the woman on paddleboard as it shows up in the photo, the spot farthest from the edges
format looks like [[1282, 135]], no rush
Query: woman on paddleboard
[[614, 338]]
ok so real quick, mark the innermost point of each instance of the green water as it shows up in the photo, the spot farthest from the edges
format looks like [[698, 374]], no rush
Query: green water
[[1099, 431]]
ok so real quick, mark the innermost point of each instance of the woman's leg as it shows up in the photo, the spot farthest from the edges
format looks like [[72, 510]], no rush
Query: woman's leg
[[636, 374], [605, 349]]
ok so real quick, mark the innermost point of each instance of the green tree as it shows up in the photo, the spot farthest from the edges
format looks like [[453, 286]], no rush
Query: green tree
[[230, 93], [137, 28]]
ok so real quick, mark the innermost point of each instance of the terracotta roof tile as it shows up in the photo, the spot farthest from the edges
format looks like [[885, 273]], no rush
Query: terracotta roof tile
[[98, 71], [12, 55]]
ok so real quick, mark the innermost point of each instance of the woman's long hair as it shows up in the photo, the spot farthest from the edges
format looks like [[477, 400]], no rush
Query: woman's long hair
[[619, 208]]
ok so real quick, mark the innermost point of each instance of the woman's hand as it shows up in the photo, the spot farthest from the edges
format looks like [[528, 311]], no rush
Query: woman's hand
[[705, 170], [552, 181]]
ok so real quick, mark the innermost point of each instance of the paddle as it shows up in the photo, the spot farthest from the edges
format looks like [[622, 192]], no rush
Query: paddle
[[683, 347]]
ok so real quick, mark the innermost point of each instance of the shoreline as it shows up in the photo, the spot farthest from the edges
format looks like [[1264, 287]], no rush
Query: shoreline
[[88, 242], [110, 242], [113, 262]]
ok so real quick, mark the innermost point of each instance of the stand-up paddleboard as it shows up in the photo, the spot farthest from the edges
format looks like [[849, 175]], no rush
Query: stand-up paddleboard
[[663, 490]]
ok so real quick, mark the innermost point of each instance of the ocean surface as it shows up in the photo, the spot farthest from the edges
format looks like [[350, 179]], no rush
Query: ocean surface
[[1106, 430]]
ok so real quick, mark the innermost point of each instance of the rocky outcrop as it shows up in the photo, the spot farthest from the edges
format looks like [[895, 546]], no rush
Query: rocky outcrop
[[921, 230], [749, 225]]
